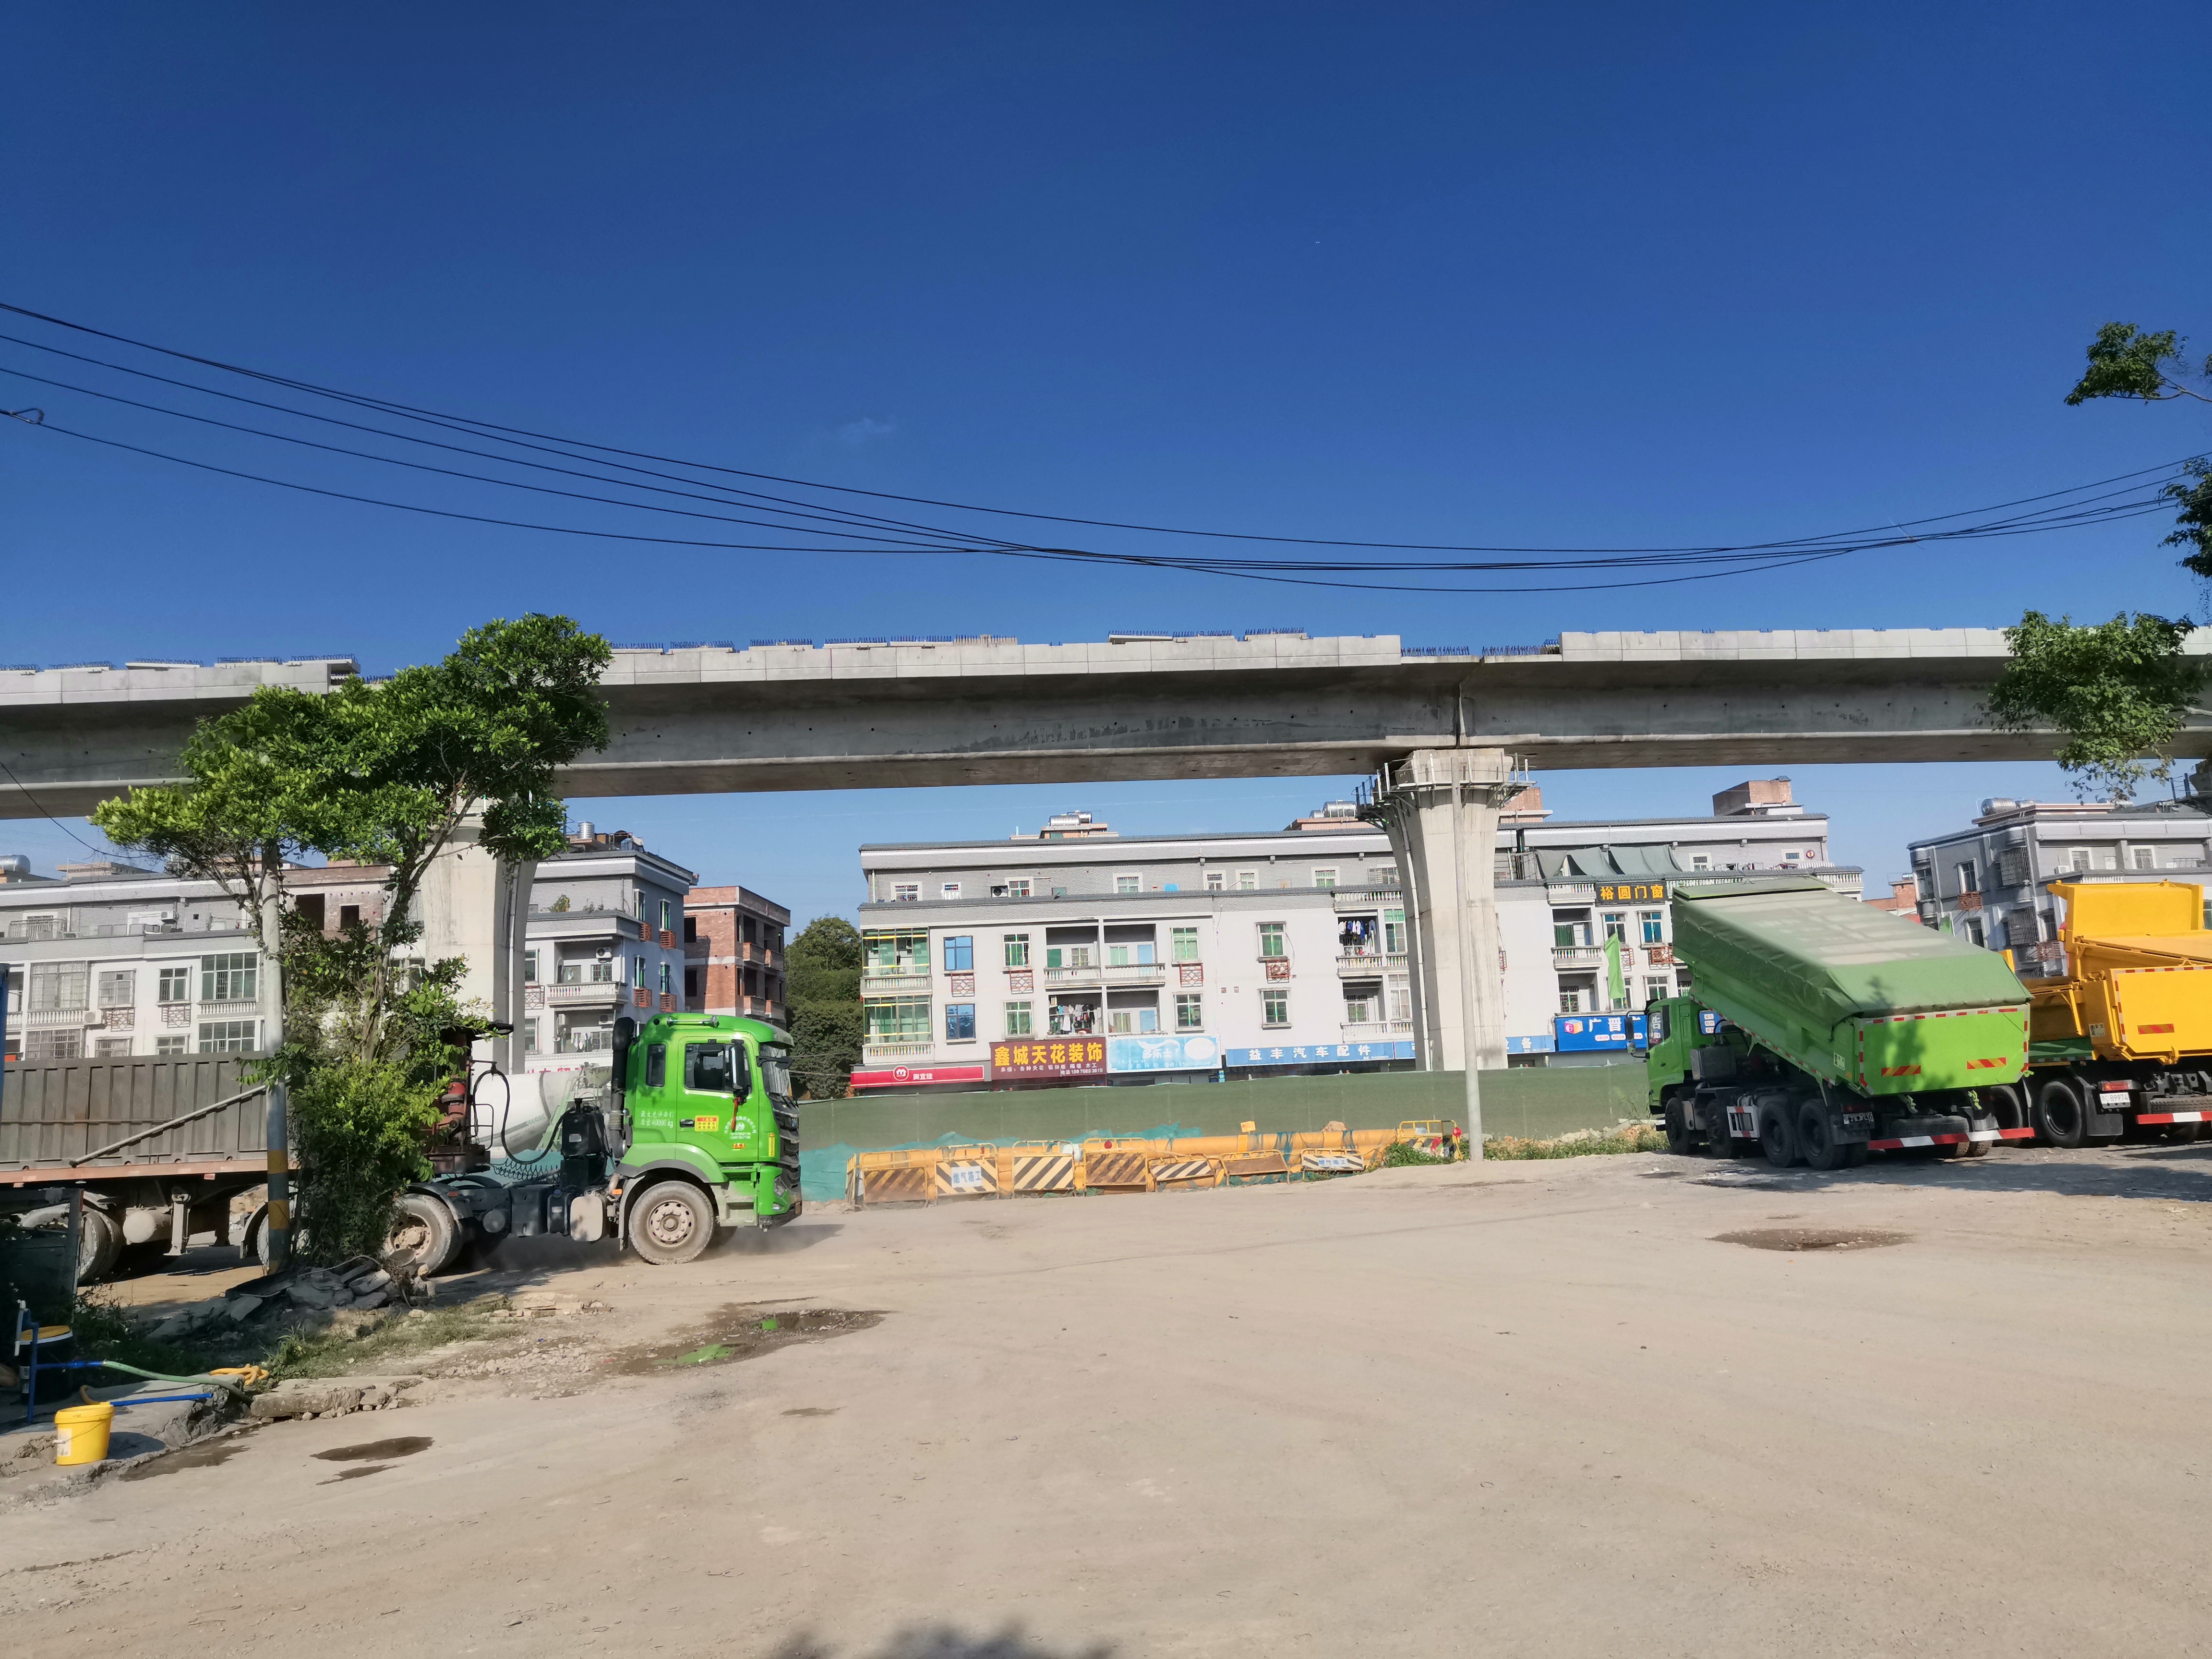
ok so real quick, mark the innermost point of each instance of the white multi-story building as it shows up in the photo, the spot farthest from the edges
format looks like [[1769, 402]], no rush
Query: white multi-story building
[[1078, 954], [605, 937]]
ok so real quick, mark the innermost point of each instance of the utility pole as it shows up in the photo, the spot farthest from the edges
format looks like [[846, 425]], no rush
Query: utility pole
[[279, 1219], [1461, 890]]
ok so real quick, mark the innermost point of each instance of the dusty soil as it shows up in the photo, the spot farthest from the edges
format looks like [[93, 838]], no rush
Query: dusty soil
[[1520, 1407]]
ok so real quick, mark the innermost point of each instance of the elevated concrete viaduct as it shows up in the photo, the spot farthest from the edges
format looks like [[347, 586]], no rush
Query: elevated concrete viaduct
[[1442, 732]]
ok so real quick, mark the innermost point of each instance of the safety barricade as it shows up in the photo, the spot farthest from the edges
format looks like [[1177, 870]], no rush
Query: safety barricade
[[1348, 1161], [1264, 1165], [1116, 1165], [968, 1172], [1040, 1167], [894, 1177], [1181, 1173]]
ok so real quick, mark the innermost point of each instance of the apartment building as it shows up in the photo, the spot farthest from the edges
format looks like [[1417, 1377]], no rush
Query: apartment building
[[605, 938], [110, 961], [1075, 954], [733, 953], [1988, 883]]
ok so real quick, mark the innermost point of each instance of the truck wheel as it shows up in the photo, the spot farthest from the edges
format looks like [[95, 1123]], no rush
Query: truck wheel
[[1817, 1140], [424, 1239], [99, 1245], [2061, 1116], [1775, 1138], [671, 1222], [1678, 1130]]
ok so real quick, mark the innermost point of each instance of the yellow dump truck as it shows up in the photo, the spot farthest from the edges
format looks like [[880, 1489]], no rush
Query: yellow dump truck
[[2123, 1038]]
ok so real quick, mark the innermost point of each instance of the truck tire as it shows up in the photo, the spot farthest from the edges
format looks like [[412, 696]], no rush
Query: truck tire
[[670, 1222], [99, 1245], [1678, 1130], [1778, 1137], [424, 1237], [1816, 1140], [2061, 1114]]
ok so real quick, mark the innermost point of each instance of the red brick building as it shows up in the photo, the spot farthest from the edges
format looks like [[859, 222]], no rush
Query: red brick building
[[733, 953]]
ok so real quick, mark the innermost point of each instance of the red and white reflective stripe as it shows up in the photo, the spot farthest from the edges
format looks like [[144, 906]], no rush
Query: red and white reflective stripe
[[1903, 1142], [2015, 1134], [2173, 1117]]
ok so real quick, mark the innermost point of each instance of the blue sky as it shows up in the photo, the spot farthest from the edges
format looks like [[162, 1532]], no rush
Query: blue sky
[[1601, 275]]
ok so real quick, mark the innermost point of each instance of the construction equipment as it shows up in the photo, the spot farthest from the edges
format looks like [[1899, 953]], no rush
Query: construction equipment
[[1822, 1029], [2123, 1039], [695, 1132]]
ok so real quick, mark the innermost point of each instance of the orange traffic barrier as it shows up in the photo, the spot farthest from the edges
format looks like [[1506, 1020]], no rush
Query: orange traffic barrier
[[967, 1172], [894, 1177], [1117, 1165]]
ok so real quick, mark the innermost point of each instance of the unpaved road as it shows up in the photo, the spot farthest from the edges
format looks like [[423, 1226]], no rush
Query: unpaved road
[[1525, 1408]]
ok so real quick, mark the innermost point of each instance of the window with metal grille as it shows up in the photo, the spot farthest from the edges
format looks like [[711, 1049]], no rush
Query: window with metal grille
[[57, 986], [119, 987], [176, 983]]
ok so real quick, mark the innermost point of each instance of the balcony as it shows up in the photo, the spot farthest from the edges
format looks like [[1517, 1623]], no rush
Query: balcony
[[1374, 1030], [1071, 977], [48, 1019], [1365, 901], [585, 1039], [875, 1052], [895, 981], [1572, 892], [1137, 973], [1364, 964], [1577, 955], [235, 1010], [590, 993]]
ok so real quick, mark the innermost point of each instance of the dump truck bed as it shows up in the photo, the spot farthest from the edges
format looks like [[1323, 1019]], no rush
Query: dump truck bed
[[1849, 992]]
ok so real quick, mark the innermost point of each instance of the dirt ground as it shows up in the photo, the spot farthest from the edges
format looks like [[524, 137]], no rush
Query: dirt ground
[[1518, 1409]]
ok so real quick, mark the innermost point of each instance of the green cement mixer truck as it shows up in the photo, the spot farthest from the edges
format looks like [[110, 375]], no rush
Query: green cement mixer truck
[[1820, 1030], [694, 1133]]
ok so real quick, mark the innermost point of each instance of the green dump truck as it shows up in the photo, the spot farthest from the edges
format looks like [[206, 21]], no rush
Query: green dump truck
[[695, 1132], [1821, 1030]]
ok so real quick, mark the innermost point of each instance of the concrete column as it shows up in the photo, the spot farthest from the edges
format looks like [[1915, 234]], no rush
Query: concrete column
[[476, 907], [1440, 807]]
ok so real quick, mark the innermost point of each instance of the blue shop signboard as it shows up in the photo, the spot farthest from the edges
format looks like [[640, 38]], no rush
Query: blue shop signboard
[[1579, 1033], [1541, 1043], [1308, 1054], [1163, 1053]]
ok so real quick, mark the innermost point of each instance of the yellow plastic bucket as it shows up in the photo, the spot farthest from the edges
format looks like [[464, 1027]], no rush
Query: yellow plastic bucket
[[81, 1433]]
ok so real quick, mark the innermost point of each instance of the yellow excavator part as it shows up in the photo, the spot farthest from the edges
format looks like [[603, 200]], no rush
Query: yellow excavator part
[[2139, 979]]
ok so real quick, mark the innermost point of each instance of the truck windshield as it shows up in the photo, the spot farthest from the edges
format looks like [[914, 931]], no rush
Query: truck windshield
[[775, 1071]]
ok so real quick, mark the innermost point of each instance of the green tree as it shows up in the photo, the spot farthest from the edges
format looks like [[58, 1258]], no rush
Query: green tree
[[383, 773], [2116, 692], [821, 988]]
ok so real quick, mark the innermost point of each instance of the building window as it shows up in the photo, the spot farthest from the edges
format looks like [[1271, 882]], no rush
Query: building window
[[2077, 860], [1190, 1011], [1570, 930], [1360, 1004], [897, 1019], [905, 892], [1272, 947], [1185, 944], [1017, 950], [1616, 924], [667, 916], [168, 1045], [1974, 930], [951, 890], [1790, 858], [54, 1045], [960, 954], [1018, 887], [234, 978], [2145, 858], [1970, 878], [1324, 876], [1217, 881], [1394, 933], [1657, 990], [667, 978], [226, 1036], [905, 952], [959, 1021], [1383, 875], [1653, 925], [1136, 955], [1247, 881], [637, 973], [58, 987], [1274, 1007], [1018, 1020], [529, 966], [176, 983], [1132, 1022], [1401, 1005], [118, 989], [1126, 884], [1700, 861], [529, 1037], [349, 916], [691, 988]]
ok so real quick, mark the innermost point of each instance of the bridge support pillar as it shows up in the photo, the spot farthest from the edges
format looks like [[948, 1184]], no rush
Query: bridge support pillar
[[1440, 807], [476, 907]]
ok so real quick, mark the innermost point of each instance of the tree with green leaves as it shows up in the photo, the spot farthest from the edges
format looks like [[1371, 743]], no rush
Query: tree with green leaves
[[822, 989], [2118, 691], [380, 773]]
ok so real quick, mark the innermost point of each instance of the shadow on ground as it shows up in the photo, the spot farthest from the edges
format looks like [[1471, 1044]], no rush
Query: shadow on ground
[[944, 1642], [2153, 1170]]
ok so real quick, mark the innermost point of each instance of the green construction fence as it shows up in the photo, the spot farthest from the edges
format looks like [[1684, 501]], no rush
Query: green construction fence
[[1533, 1102]]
